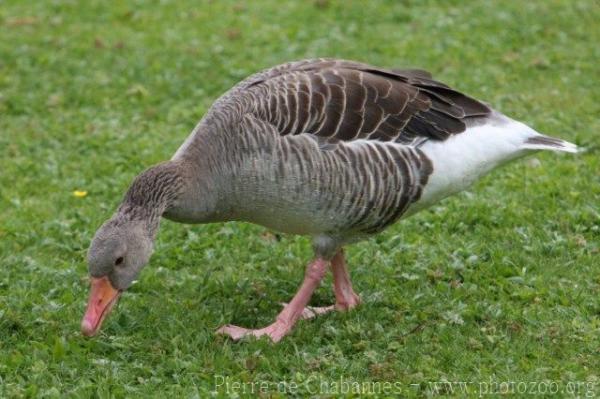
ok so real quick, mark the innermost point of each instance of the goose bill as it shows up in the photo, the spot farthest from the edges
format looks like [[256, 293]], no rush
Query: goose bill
[[103, 296]]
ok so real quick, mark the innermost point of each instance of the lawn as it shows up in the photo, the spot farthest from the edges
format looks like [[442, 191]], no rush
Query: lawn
[[497, 285]]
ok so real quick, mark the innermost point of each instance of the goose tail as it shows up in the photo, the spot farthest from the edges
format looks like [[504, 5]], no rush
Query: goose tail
[[542, 142]]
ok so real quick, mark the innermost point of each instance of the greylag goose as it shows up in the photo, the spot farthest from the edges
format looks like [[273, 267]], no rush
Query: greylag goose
[[335, 150]]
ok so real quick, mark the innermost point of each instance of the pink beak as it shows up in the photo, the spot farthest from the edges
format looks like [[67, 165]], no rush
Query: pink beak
[[103, 296]]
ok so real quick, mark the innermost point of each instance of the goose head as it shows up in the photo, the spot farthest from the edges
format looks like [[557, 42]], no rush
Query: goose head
[[117, 254]]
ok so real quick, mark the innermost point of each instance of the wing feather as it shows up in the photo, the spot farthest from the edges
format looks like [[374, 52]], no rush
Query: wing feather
[[344, 101]]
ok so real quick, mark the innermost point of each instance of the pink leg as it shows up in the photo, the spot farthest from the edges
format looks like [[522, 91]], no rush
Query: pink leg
[[345, 298], [291, 312]]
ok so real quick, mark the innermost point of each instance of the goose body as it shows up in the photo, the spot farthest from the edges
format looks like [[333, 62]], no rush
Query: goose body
[[342, 149], [333, 149]]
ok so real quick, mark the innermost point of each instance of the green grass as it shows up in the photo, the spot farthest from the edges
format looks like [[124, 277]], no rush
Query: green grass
[[498, 284]]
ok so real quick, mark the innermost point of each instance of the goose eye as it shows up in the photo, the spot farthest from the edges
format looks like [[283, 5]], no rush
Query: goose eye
[[119, 260]]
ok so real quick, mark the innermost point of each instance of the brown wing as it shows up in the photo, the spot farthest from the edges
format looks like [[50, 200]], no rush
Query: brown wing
[[344, 100]]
